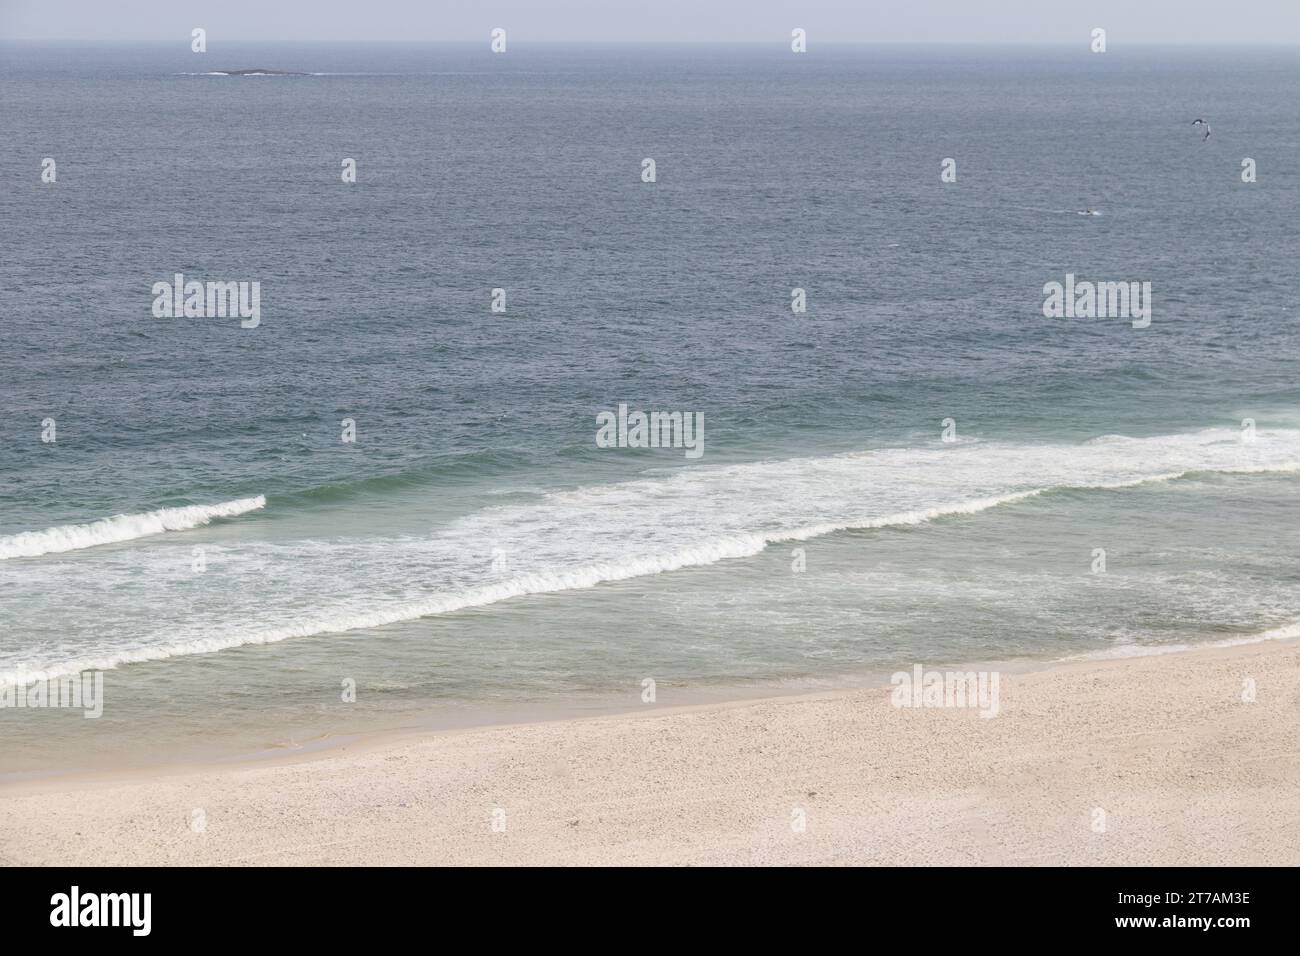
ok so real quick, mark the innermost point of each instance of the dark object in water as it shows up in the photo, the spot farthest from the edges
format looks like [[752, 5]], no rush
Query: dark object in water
[[261, 73]]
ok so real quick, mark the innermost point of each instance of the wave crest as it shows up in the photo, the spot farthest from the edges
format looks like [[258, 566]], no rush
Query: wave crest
[[74, 537]]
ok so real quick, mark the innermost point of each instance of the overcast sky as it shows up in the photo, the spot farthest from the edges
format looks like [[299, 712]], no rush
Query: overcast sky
[[947, 21]]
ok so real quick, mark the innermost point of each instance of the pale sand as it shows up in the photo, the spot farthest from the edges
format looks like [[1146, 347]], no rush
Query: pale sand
[[1186, 772]]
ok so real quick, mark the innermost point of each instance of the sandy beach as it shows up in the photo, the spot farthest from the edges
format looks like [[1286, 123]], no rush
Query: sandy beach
[[1152, 760]]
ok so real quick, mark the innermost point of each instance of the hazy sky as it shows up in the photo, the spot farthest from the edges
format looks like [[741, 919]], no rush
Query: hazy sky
[[979, 21]]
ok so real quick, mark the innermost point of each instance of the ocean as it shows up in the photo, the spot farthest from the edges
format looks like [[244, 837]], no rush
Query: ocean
[[920, 468]]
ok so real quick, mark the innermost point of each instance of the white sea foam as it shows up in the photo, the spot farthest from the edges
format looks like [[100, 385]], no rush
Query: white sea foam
[[269, 591], [1124, 651], [545, 582], [74, 537]]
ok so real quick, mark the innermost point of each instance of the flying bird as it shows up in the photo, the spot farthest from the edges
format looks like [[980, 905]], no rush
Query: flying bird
[[1201, 122]]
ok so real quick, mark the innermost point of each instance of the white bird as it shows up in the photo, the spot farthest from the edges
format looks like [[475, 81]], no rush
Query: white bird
[[1201, 122]]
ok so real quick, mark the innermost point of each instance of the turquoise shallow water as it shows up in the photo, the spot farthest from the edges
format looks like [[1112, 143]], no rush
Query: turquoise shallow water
[[474, 555]]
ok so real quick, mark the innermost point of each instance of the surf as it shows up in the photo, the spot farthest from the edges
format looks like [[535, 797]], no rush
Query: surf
[[118, 528], [586, 536]]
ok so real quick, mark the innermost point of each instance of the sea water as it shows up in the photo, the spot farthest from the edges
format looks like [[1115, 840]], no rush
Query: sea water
[[921, 468]]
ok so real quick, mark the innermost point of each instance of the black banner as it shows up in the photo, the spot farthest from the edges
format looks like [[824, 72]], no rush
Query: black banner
[[1222, 906]]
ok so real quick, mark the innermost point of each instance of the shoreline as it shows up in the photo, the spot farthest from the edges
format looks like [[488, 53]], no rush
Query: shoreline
[[473, 719], [1182, 770], [449, 724]]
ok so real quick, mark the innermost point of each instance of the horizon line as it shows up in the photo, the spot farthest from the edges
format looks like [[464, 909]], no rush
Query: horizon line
[[778, 42]]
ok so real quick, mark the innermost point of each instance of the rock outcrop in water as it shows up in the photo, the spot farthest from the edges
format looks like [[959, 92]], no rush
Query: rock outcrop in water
[[260, 73]]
